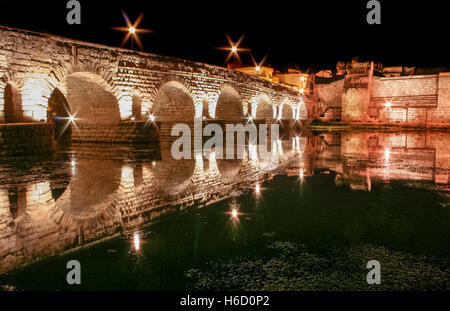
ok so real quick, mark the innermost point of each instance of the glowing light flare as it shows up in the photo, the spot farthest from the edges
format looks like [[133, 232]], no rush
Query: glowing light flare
[[152, 118], [258, 188], [387, 153], [258, 66], [137, 241], [234, 48], [132, 30], [388, 105]]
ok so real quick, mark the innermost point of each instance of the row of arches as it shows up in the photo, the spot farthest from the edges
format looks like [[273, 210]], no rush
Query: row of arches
[[88, 97]]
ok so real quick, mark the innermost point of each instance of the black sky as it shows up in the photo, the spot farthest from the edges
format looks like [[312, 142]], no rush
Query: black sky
[[307, 34]]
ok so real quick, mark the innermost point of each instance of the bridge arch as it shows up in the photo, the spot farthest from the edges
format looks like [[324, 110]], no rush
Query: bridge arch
[[91, 99], [264, 108], [229, 105], [173, 102], [286, 111]]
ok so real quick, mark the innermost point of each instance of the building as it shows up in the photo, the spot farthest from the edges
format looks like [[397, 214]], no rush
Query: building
[[396, 97], [295, 79], [262, 72]]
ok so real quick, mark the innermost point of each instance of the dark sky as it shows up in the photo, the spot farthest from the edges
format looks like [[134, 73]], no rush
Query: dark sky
[[308, 34]]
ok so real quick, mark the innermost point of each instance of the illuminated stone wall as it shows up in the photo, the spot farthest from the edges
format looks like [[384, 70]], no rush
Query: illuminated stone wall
[[415, 100], [100, 84]]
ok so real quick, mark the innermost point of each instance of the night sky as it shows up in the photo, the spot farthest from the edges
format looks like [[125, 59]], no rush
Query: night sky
[[299, 34]]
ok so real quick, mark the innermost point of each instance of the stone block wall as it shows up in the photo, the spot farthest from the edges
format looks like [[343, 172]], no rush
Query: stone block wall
[[122, 132], [415, 100], [441, 115], [26, 139]]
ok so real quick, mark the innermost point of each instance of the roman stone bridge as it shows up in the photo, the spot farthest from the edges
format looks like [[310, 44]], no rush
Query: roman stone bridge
[[44, 78]]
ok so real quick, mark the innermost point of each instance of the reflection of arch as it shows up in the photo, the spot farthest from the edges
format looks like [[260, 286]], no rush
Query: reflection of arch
[[90, 98], [265, 108], [229, 105], [13, 105], [229, 168], [172, 174], [86, 197], [173, 103]]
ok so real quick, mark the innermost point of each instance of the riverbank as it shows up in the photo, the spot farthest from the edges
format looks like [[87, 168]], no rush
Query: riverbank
[[340, 126]]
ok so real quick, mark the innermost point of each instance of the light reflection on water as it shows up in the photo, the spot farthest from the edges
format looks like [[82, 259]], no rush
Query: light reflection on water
[[91, 192]]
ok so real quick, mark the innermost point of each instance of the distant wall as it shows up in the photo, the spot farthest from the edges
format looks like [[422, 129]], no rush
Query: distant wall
[[415, 100]]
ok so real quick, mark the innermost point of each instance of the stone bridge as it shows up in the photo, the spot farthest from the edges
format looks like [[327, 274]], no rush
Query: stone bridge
[[45, 78]]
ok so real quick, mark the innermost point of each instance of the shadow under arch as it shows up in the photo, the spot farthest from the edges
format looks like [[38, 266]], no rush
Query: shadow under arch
[[13, 105], [229, 105], [173, 103], [58, 113]]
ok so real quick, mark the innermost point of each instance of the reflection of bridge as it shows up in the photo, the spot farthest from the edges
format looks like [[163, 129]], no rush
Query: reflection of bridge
[[46, 78], [96, 194], [101, 195]]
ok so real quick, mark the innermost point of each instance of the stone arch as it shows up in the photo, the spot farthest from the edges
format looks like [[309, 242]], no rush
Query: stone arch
[[286, 110], [264, 108], [173, 102], [91, 99], [13, 110], [229, 105], [38, 90]]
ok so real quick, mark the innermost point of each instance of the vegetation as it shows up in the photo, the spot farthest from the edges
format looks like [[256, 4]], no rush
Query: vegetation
[[291, 267]]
